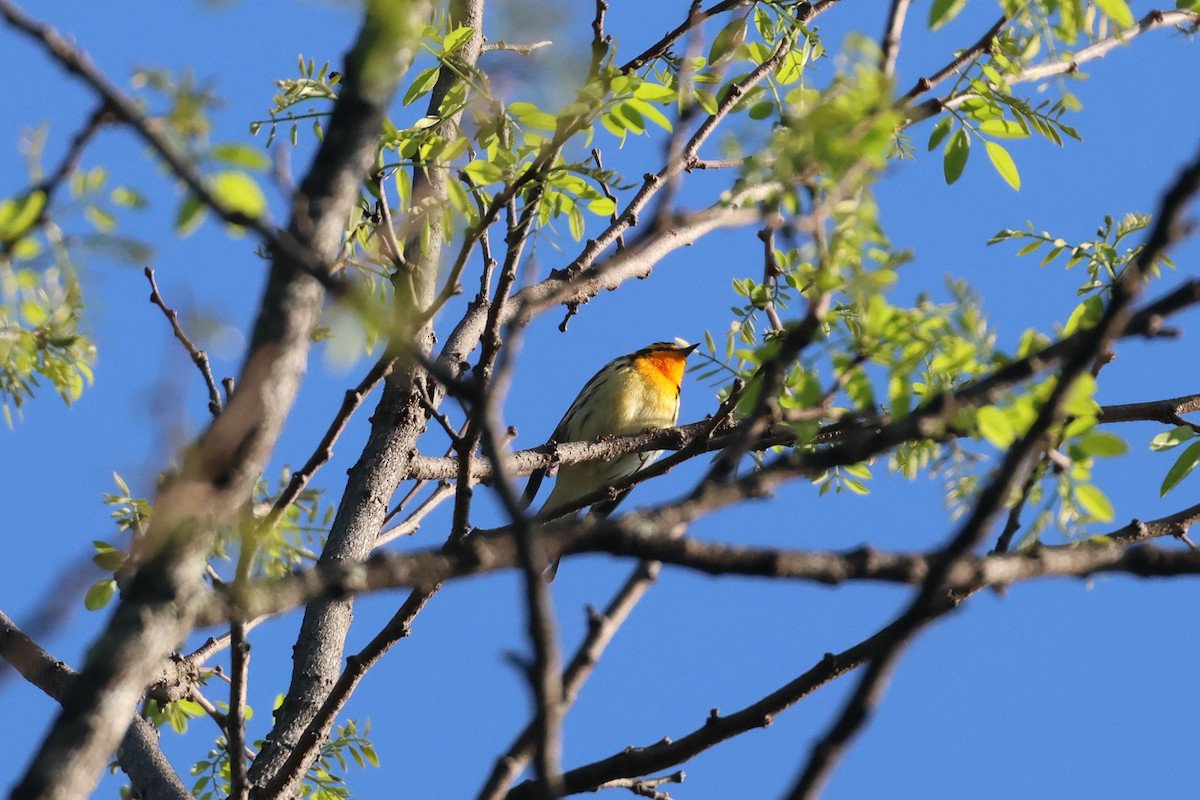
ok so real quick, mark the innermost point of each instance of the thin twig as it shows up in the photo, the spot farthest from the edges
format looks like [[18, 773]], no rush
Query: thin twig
[[960, 59], [199, 357], [324, 451], [889, 49], [124, 109], [602, 627], [932, 600]]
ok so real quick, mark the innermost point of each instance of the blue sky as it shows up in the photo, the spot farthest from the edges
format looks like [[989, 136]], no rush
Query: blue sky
[[1059, 688]]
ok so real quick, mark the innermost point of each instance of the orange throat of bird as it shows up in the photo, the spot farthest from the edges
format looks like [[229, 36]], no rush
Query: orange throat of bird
[[664, 370]]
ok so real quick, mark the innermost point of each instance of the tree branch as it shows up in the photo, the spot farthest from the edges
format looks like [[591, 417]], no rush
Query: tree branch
[[139, 756], [219, 471]]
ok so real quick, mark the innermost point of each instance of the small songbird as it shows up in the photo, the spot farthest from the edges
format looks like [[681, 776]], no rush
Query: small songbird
[[628, 395]]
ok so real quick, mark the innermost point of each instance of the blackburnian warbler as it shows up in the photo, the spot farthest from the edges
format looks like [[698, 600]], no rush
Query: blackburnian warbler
[[628, 395]]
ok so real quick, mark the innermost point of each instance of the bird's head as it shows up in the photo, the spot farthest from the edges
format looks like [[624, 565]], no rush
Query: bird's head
[[664, 361]]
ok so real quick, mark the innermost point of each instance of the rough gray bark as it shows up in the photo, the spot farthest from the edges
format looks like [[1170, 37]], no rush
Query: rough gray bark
[[152, 776], [398, 422], [159, 603]]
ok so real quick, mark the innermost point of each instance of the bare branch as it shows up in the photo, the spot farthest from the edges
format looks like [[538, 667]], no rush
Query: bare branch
[[139, 756], [892, 31], [1168, 412], [199, 357], [219, 471], [1152, 21], [629, 536], [932, 600], [601, 629]]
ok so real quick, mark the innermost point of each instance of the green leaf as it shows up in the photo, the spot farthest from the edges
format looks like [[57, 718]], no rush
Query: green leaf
[[654, 93], [33, 313], [101, 220], [532, 116], [455, 38], [1003, 128], [727, 41], [1092, 500], [996, 427], [483, 172], [422, 84], [940, 131], [1004, 164], [1172, 438], [943, 11], [1085, 315], [1103, 444], [237, 191], [955, 158], [125, 197], [1080, 400], [240, 155], [1118, 11], [650, 112], [99, 594], [602, 206], [576, 223], [16, 220], [1180, 469]]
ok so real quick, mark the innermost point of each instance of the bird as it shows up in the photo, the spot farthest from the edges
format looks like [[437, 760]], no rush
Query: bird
[[629, 395]]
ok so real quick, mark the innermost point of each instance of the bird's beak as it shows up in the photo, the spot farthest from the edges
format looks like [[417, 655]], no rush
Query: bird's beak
[[687, 351]]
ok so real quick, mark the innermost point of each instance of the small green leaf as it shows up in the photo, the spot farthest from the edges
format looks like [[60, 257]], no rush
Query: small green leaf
[[1003, 128], [240, 155], [99, 594], [237, 191], [602, 206], [1172, 438], [1180, 469], [1103, 444], [940, 131], [455, 38], [1004, 164], [1118, 11], [483, 172], [943, 11], [101, 220], [996, 427], [17, 219], [654, 93], [125, 197], [955, 158], [728, 40], [1085, 315], [1092, 500], [422, 84], [33, 313], [1080, 400]]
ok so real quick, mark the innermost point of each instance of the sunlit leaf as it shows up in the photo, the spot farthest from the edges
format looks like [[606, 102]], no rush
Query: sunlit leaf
[[1181, 468], [1092, 500], [943, 11], [1004, 164]]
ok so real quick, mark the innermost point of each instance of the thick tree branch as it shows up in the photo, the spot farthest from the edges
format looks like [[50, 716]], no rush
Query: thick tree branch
[[1168, 412], [627, 536], [139, 756], [219, 471], [398, 421]]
